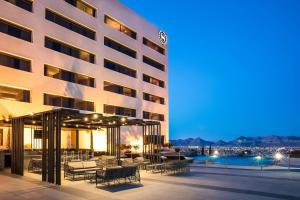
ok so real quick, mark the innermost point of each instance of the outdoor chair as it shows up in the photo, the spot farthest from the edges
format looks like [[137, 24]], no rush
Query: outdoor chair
[[117, 174], [77, 169]]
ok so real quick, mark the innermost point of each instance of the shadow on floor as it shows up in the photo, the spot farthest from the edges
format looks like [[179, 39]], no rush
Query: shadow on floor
[[119, 187]]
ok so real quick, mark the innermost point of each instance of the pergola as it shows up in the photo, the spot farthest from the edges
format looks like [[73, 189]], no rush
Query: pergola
[[51, 122]]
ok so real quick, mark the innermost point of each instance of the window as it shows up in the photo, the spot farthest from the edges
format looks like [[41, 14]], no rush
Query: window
[[119, 47], [153, 116], [116, 110], [153, 81], [61, 74], [153, 63], [118, 26], [71, 25], [119, 68], [69, 50], [15, 30], [67, 102], [25, 4], [83, 6], [153, 46], [14, 94], [153, 98], [15, 62], [119, 89]]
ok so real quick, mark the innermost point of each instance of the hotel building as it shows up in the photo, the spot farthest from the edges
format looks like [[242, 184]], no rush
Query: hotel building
[[93, 56]]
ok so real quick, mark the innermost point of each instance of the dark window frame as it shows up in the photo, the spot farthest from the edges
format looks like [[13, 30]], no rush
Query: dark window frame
[[147, 78], [68, 102], [111, 65], [118, 89], [24, 4], [69, 76], [15, 62], [69, 24], [153, 116], [153, 46], [25, 94], [67, 49], [153, 98], [120, 47], [15, 30], [118, 110], [153, 63], [74, 3], [122, 28]]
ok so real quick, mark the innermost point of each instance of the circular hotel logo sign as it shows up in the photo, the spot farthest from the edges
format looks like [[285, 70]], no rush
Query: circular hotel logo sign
[[163, 37]]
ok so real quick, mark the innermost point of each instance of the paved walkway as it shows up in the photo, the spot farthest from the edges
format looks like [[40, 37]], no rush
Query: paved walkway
[[201, 183]]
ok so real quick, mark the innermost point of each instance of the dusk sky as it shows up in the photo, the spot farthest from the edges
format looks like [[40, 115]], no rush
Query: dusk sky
[[234, 66]]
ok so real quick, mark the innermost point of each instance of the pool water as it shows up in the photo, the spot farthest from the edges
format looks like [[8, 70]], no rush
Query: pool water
[[236, 160]]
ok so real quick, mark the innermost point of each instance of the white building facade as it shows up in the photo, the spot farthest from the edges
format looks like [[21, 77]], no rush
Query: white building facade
[[94, 55]]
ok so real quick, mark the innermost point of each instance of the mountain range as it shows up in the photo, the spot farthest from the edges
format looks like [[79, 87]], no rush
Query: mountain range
[[266, 141]]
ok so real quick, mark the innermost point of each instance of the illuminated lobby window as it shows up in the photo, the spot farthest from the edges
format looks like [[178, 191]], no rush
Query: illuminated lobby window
[[65, 75], [119, 47], [67, 102], [116, 110], [153, 116], [25, 4], [153, 81], [153, 63], [15, 62], [153, 46], [14, 94], [118, 26], [69, 50], [153, 98], [119, 68], [15, 30], [71, 25], [119, 89], [81, 5]]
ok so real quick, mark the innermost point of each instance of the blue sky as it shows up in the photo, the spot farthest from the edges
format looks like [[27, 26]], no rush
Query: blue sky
[[234, 66]]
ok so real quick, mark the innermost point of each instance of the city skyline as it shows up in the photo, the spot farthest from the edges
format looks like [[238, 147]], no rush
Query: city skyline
[[233, 66]]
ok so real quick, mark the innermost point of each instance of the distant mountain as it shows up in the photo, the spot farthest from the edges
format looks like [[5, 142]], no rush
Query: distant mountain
[[243, 141], [191, 142]]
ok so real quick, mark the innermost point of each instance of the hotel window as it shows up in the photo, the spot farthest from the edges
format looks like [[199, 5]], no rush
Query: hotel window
[[69, 50], [119, 47], [116, 110], [67, 102], [153, 116], [119, 89], [83, 6], [153, 98], [15, 30], [153, 63], [14, 94], [118, 26], [61, 74], [153, 46], [15, 62], [25, 4], [119, 68], [71, 25], [153, 81]]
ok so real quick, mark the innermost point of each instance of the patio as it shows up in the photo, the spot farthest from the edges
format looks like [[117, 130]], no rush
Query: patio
[[201, 183]]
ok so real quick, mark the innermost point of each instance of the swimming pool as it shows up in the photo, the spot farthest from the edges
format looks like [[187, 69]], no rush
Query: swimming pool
[[236, 160]]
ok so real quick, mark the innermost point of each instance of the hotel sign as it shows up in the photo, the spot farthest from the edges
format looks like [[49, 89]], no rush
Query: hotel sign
[[163, 37]]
